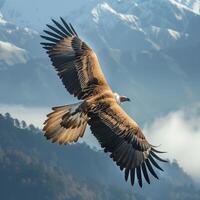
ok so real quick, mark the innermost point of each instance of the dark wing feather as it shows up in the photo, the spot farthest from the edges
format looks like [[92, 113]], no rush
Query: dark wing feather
[[121, 136], [75, 62]]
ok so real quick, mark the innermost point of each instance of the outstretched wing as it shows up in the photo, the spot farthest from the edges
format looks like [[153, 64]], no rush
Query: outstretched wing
[[76, 63], [121, 136]]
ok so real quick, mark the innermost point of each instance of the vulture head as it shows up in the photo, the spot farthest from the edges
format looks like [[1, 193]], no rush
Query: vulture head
[[121, 99]]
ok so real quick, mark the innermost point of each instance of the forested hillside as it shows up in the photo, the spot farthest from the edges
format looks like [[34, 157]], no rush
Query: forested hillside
[[33, 168]]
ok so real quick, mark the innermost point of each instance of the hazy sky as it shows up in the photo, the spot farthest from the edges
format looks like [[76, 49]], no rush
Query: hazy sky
[[179, 135]]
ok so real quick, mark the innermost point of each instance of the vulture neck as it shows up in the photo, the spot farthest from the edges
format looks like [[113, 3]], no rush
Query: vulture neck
[[117, 97]]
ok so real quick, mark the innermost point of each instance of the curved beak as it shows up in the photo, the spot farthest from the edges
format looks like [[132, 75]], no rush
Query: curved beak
[[127, 99], [124, 98]]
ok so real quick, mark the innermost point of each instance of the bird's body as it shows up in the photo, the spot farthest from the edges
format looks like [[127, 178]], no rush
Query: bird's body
[[78, 67]]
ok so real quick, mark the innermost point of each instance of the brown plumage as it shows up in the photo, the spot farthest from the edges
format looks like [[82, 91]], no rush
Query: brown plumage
[[78, 67]]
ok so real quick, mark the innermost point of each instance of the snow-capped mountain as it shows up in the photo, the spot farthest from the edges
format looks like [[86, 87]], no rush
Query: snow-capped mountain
[[150, 20], [194, 5], [21, 37], [144, 25], [35, 15], [190, 5], [143, 42], [146, 42], [11, 54], [161, 22], [24, 71]]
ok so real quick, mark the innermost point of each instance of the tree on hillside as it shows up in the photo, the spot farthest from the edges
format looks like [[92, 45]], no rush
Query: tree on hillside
[[17, 123], [24, 125]]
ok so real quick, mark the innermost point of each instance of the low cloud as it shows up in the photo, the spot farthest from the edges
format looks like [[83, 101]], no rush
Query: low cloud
[[32, 115], [11, 54], [179, 135]]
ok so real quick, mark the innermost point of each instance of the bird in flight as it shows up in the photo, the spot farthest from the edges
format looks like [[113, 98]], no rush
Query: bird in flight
[[118, 134]]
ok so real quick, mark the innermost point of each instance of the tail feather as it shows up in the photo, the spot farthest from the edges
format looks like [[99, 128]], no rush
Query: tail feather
[[66, 124]]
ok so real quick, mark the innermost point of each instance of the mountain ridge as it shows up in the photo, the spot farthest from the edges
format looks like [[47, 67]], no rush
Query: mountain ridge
[[138, 51], [38, 162]]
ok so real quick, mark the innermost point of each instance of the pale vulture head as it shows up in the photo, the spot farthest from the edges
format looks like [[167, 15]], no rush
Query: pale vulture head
[[121, 99]]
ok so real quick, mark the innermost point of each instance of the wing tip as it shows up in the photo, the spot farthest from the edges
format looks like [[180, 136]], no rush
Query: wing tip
[[60, 30], [142, 170]]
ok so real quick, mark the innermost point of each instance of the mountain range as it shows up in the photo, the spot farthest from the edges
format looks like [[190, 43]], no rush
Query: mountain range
[[139, 44], [148, 50]]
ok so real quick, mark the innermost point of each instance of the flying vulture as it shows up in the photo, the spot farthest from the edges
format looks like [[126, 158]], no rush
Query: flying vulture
[[78, 67]]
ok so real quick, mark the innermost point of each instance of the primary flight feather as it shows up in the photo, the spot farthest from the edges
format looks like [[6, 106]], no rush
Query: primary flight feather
[[78, 67]]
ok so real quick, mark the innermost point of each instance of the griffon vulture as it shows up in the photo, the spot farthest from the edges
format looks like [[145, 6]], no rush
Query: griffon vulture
[[78, 67]]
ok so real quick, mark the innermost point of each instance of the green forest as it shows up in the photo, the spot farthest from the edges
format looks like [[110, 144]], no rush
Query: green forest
[[33, 168]]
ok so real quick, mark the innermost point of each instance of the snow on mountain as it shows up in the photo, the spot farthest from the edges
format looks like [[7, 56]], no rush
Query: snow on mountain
[[22, 63], [2, 21], [194, 5], [176, 35], [104, 10], [162, 13], [37, 13], [11, 54], [140, 16], [183, 6], [159, 23], [22, 37], [142, 41], [144, 37]]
